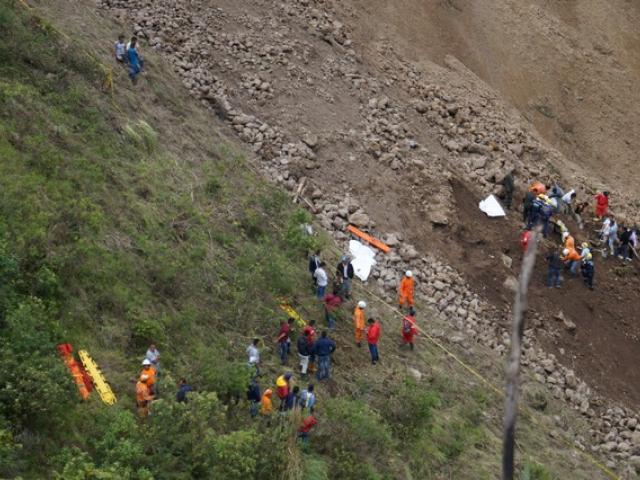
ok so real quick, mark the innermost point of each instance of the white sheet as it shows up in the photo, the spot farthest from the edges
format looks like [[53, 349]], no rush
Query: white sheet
[[362, 259], [491, 206]]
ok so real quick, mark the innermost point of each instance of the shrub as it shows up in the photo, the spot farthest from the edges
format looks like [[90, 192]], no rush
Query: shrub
[[235, 455]]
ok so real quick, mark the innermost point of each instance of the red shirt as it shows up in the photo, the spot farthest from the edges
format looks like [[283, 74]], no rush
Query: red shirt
[[373, 333], [602, 199], [310, 332], [283, 335], [332, 302], [307, 424]]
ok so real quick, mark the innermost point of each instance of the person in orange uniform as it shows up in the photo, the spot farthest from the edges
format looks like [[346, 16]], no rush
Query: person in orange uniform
[[409, 328], [406, 290], [568, 241], [143, 395], [571, 259], [538, 188], [358, 321], [266, 405], [150, 371]]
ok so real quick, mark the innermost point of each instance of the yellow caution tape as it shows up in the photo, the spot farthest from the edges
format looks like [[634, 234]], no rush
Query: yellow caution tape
[[103, 388], [289, 310]]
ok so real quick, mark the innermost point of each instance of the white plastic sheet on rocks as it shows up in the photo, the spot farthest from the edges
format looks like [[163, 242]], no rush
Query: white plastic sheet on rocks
[[491, 206], [362, 259]]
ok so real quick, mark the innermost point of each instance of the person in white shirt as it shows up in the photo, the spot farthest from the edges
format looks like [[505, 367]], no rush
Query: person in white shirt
[[153, 355], [321, 280], [567, 198], [120, 50], [254, 355]]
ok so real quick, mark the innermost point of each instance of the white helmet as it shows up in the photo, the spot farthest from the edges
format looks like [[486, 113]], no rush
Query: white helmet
[[146, 361], [565, 252], [565, 235], [409, 273], [362, 304]]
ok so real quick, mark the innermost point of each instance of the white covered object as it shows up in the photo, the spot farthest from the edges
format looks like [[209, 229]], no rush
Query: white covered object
[[491, 206], [362, 259]]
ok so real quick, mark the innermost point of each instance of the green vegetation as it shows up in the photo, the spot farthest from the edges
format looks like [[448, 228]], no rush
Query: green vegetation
[[116, 232]]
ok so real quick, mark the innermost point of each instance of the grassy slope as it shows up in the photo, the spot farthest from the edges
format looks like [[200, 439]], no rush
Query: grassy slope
[[113, 235]]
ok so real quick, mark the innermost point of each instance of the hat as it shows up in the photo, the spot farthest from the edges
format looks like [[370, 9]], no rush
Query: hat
[[409, 273], [146, 361], [362, 304], [344, 258], [288, 375]]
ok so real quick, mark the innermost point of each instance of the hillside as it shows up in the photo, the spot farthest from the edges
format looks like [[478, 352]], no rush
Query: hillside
[[136, 215]]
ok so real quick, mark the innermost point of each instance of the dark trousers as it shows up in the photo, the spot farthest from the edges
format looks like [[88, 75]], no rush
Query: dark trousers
[[373, 350]]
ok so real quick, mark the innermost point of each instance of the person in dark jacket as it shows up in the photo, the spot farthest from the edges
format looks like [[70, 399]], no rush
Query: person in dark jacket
[[304, 352], [183, 389], [555, 267], [253, 395], [508, 184], [588, 271], [625, 244], [323, 348], [527, 207], [314, 264], [344, 275]]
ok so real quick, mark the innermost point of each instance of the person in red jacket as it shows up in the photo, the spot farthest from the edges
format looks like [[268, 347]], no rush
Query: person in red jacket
[[409, 328], [307, 424], [283, 386], [373, 337], [602, 204]]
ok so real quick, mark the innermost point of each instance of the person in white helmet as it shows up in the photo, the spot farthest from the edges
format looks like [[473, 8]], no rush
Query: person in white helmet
[[149, 370], [406, 290], [359, 321]]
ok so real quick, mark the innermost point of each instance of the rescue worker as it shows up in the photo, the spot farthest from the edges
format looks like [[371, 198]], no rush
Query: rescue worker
[[538, 188], [571, 259], [555, 267], [307, 424], [588, 271], [323, 349], [409, 328], [568, 241], [358, 321], [304, 352], [584, 251], [344, 275], [373, 337], [602, 204], [283, 386], [283, 339], [406, 290], [266, 405], [149, 370], [143, 395]]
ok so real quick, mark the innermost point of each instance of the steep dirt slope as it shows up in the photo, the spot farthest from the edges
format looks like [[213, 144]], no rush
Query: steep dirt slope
[[570, 67]]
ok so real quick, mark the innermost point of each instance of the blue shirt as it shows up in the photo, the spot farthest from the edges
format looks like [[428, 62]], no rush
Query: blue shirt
[[181, 396], [132, 55], [324, 347]]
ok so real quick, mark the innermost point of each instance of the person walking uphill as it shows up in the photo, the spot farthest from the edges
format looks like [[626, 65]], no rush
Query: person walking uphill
[[323, 349], [344, 275], [149, 370], [555, 267], [358, 321], [133, 59], [373, 337], [407, 287], [266, 405]]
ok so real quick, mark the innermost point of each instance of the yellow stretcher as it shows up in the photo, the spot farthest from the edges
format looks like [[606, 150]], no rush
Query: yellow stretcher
[[101, 385], [289, 310]]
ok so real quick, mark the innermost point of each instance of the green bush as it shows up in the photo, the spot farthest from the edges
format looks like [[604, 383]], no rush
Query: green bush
[[235, 455]]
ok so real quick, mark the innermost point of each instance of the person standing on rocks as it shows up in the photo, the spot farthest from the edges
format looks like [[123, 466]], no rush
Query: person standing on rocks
[[508, 184], [409, 328], [344, 275], [373, 337], [407, 287], [555, 267], [358, 321], [602, 204]]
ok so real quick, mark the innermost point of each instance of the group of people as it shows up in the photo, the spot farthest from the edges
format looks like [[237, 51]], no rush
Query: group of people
[[128, 53], [541, 202]]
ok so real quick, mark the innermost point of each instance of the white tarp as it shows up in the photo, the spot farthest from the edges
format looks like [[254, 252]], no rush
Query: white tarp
[[362, 259], [491, 206]]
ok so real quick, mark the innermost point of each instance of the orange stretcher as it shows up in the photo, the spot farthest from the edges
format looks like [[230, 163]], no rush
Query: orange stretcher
[[79, 374], [369, 239]]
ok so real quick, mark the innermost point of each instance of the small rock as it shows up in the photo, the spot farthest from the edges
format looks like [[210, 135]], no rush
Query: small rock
[[511, 283], [359, 219], [415, 373], [506, 260], [310, 139]]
